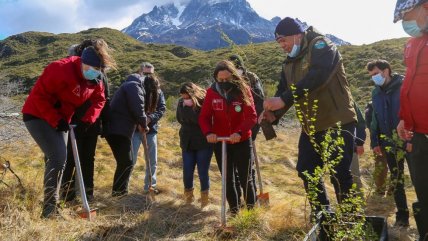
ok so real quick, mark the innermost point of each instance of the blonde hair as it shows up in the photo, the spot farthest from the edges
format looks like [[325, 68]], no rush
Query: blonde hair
[[196, 93]]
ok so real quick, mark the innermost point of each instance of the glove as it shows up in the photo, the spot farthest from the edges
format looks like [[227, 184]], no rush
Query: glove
[[62, 125], [81, 127]]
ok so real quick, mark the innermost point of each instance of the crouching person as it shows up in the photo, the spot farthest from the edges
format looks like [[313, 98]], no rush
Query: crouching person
[[64, 85]]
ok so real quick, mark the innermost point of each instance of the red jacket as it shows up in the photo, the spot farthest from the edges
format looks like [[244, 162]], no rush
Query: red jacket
[[223, 119], [414, 92], [60, 90]]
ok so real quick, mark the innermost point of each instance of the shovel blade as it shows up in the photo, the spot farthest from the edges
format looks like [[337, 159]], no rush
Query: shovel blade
[[263, 199], [88, 215]]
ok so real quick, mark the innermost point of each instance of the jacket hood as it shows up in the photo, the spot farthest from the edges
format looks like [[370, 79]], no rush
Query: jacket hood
[[135, 78]]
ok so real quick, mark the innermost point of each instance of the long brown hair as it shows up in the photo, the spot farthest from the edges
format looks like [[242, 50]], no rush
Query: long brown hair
[[241, 84], [196, 93], [102, 49], [152, 88]]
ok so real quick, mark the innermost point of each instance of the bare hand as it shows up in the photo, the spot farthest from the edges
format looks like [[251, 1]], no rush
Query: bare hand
[[143, 129], [212, 138], [273, 103], [403, 133], [409, 147], [267, 115], [377, 151], [360, 150], [235, 138]]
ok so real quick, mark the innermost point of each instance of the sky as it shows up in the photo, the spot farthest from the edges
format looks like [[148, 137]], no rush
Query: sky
[[358, 22]]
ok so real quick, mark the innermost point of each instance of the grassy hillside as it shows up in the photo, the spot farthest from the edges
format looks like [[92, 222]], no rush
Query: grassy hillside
[[23, 56]]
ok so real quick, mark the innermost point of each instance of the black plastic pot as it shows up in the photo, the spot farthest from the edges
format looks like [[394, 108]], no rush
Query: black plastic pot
[[320, 231]]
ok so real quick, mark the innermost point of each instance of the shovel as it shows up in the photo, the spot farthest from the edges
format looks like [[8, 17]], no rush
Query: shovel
[[262, 198], [223, 230], [87, 212], [147, 158]]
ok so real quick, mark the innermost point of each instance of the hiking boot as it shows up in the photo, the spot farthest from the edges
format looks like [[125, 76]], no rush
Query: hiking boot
[[205, 198], [49, 211], [90, 198], [188, 196], [402, 219], [153, 189], [119, 193]]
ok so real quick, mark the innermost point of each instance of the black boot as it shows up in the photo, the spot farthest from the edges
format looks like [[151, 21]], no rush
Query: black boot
[[420, 220], [402, 219], [49, 211]]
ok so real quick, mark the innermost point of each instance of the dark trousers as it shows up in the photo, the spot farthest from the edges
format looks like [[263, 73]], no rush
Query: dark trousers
[[53, 144], [396, 167], [86, 145], [122, 152], [239, 159], [418, 171], [309, 159], [253, 174]]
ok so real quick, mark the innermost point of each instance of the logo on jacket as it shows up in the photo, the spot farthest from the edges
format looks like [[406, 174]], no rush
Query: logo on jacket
[[237, 105], [217, 104], [76, 91]]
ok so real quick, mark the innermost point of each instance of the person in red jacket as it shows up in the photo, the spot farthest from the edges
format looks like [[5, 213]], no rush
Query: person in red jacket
[[228, 111], [64, 85], [413, 125]]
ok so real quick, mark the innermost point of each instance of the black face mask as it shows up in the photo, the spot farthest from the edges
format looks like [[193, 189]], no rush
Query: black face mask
[[226, 85]]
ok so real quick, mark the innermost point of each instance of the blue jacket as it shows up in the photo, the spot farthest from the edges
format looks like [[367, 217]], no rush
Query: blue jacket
[[127, 107], [386, 105]]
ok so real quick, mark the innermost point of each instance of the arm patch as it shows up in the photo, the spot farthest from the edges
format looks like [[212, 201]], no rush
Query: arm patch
[[320, 44]]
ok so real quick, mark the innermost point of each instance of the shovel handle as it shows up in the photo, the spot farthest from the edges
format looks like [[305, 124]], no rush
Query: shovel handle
[[256, 160], [223, 177], [79, 172]]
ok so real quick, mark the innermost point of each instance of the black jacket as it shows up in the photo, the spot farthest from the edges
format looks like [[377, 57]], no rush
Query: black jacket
[[191, 136], [127, 107]]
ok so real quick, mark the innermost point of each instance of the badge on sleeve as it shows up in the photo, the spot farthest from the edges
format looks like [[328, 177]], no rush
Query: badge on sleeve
[[320, 44]]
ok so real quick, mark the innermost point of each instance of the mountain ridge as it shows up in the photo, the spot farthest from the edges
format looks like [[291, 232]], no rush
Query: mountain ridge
[[201, 24]]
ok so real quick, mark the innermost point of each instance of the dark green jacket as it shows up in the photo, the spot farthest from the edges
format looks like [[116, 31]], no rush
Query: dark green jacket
[[318, 68]]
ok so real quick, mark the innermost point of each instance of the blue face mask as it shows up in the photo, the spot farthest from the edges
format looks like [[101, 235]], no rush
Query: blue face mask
[[412, 28], [295, 50], [91, 74], [378, 79]]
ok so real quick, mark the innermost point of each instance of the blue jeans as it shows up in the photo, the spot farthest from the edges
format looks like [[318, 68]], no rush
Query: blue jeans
[[201, 158], [151, 164]]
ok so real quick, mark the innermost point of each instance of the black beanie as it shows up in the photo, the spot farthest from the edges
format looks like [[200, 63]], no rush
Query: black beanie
[[237, 61], [90, 57], [288, 27]]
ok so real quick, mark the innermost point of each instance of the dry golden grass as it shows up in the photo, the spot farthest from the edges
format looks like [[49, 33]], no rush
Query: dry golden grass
[[135, 218]]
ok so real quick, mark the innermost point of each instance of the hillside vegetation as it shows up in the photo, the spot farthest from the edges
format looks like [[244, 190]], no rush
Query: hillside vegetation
[[23, 57]]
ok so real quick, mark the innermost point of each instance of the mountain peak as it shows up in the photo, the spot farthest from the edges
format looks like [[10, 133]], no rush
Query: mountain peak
[[201, 24]]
